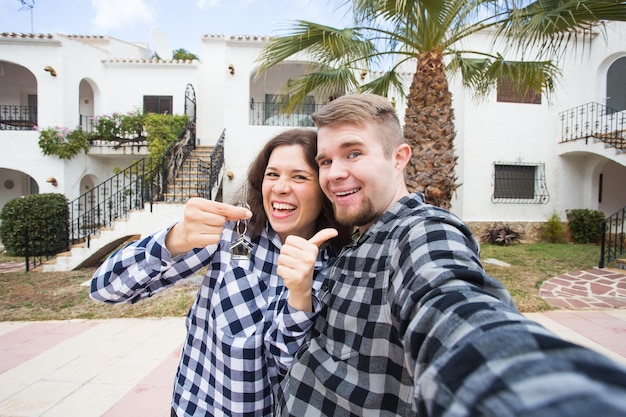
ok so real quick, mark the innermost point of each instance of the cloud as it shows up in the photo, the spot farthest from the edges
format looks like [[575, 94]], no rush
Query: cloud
[[203, 4], [115, 14]]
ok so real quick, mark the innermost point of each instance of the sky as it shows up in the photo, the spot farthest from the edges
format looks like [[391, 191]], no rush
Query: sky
[[181, 22]]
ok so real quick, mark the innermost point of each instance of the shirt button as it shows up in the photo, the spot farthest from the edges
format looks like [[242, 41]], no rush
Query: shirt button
[[163, 263]]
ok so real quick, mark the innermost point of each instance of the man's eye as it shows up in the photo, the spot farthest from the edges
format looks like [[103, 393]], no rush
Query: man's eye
[[354, 154], [324, 162]]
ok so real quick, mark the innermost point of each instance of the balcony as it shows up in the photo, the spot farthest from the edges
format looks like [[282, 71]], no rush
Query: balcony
[[127, 145], [267, 114], [18, 117]]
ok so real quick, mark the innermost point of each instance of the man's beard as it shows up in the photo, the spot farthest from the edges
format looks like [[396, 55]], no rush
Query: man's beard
[[364, 215]]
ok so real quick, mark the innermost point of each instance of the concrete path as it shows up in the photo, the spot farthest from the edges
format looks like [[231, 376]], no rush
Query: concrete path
[[126, 367]]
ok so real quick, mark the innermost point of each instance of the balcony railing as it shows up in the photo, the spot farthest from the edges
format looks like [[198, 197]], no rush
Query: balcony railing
[[267, 114], [87, 123], [18, 117], [594, 120]]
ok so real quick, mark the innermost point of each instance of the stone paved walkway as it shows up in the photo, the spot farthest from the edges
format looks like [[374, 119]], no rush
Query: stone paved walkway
[[126, 367], [589, 289]]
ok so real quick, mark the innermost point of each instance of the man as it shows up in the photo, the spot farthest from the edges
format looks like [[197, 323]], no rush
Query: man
[[411, 324]]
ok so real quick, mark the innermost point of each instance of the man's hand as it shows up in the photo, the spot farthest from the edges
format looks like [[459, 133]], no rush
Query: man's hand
[[202, 224]]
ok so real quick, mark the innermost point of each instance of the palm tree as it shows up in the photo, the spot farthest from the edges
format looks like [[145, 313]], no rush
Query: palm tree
[[389, 35]]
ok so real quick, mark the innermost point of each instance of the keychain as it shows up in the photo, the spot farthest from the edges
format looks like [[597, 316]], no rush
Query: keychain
[[242, 247]]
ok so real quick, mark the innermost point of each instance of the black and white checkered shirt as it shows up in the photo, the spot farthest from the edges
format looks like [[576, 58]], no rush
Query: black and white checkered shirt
[[412, 325], [242, 334]]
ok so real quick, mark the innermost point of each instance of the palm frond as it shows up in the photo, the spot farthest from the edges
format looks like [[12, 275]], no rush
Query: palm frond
[[551, 25], [383, 85], [324, 82], [482, 74], [324, 44]]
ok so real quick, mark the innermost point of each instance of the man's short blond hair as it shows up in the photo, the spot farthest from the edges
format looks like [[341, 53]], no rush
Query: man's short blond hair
[[365, 110]]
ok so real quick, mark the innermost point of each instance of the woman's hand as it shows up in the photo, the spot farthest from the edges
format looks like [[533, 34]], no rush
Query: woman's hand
[[296, 263], [202, 225]]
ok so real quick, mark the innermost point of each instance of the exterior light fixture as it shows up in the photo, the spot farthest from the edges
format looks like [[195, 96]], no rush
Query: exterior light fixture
[[51, 70]]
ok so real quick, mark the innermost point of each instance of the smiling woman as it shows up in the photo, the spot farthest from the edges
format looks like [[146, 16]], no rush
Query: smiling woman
[[252, 312]]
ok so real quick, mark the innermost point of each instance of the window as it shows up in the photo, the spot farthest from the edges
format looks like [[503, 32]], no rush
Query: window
[[519, 183], [507, 93], [157, 104], [616, 86]]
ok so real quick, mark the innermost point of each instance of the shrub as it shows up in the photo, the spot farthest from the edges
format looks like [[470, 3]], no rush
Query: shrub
[[553, 230], [584, 225], [501, 234], [63, 142], [44, 218]]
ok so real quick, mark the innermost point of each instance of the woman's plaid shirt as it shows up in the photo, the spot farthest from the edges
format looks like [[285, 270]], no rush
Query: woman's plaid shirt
[[241, 332]]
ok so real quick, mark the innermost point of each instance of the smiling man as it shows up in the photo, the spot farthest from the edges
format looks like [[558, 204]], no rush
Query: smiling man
[[411, 323]]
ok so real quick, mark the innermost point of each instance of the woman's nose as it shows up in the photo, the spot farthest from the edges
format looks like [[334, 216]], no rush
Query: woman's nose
[[281, 187]]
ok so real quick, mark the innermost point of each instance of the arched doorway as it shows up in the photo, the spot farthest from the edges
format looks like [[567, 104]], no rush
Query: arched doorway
[[15, 184]]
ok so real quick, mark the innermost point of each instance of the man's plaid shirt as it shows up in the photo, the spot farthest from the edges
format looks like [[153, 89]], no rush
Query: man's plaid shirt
[[241, 332], [412, 325]]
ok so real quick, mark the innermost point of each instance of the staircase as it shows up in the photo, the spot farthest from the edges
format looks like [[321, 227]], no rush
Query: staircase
[[192, 177], [138, 224], [138, 201]]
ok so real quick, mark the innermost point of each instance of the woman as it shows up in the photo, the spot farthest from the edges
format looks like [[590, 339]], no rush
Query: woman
[[245, 325]]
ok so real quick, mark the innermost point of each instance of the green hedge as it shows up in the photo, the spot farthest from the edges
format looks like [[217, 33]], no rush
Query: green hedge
[[44, 218], [584, 225]]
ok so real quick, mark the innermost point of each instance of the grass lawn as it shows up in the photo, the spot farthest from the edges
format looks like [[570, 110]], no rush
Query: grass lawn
[[59, 295], [532, 264]]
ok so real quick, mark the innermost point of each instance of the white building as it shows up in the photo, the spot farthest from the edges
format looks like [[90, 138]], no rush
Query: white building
[[58, 80]]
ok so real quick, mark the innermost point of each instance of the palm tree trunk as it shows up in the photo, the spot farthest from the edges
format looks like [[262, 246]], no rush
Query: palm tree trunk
[[429, 130]]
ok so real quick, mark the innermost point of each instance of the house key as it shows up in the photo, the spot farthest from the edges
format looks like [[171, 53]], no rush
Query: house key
[[242, 247]]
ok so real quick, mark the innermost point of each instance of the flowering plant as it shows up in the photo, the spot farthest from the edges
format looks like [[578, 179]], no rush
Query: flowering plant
[[63, 142], [158, 130]]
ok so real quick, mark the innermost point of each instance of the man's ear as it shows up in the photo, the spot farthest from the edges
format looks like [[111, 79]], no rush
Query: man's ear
[[403, 156]]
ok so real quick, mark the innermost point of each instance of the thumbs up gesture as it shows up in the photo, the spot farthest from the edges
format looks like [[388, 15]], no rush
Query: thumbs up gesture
[[296, 263]]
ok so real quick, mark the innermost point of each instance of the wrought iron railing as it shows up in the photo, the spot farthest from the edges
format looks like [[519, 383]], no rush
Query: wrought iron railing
[[112, 199], [87, 123], [594, 120], [613, 237], [268, 114], [18, 117], [211, 170], [145, 181]]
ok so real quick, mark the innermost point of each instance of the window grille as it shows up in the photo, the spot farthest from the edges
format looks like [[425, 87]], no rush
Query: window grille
[[508, 93], [521, 183]]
